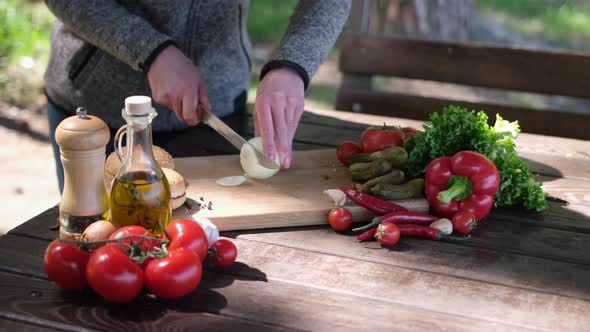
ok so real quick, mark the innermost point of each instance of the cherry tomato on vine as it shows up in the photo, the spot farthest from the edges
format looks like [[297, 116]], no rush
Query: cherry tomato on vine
[[387, 233], [340, 219], [223, 253], [124, 231], [377, 139], [112, 274], [464, 222], [188, 234], [65, 264], [347, 149], [175, 275]]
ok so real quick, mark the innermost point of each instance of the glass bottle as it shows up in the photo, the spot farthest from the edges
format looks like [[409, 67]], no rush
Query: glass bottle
[[140, 194]]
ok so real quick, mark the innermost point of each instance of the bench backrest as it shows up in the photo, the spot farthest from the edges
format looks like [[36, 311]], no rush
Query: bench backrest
[[507, 68]]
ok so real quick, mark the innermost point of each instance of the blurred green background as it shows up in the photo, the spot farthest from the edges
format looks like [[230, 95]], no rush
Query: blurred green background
[[24, 37]]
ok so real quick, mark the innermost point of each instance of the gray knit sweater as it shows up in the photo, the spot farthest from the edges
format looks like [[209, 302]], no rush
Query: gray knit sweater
[[102, 49]]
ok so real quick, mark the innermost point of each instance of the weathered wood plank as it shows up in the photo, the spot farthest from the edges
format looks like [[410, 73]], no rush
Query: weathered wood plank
[[419, 107], [476, 263], [413, 287], [572, 191], [42, 303], [472, 64], [20, 326], [22, 255], [567, 217], [40, 226], [247, 300], [329, 261]]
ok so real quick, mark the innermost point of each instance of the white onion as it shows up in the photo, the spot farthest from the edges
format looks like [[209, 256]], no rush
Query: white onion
[[250, 163]]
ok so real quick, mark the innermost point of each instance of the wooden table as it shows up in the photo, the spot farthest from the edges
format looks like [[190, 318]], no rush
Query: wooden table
[[518, 272]]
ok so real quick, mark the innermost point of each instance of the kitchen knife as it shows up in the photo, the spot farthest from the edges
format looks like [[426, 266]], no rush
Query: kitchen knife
[[234, 138]]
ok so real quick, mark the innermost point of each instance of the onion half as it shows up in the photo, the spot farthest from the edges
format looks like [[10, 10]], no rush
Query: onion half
[[250, 163]]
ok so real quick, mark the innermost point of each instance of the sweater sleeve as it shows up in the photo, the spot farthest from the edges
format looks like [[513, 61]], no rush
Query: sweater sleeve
[[109, 26], [312, 32]]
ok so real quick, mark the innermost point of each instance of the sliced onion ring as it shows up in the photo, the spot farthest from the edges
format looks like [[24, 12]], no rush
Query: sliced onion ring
[[231, 181]]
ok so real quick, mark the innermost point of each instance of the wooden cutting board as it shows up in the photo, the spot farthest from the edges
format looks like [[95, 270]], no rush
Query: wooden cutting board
[[293, 197]]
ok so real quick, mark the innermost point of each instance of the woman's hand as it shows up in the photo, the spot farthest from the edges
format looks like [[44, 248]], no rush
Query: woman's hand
[[278, 108], [177, 84]]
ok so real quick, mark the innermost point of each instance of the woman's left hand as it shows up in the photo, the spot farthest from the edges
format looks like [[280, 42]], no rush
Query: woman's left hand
[[278, 108]]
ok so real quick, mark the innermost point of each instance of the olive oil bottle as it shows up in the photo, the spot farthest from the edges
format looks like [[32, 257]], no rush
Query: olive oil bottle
[[141, 199], [140, 194]]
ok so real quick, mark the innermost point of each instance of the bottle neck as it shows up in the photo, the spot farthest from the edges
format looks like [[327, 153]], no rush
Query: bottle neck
[[140, 143]]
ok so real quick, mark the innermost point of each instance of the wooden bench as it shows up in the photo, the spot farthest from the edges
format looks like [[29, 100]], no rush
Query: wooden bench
[[556, 73]]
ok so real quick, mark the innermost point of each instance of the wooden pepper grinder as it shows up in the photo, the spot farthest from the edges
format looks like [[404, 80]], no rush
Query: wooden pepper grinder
[[82, 140]]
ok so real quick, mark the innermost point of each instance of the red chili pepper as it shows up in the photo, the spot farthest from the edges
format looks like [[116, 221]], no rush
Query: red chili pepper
[[467, 181], [372, 203], [368, 235], [400, 217], [426, 232]]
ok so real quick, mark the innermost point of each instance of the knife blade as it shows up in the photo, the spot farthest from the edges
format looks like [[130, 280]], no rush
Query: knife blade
[[231, 136]]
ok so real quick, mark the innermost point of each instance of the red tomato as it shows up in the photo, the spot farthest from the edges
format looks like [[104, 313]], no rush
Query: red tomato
[[114, 275], [377, 139], [409, 132], [174, 276], [387, 234], [347, 149], [223, 253], [65, 264], [340, 219], [188, 234], [124, 231], [144, 245], [464, 222]]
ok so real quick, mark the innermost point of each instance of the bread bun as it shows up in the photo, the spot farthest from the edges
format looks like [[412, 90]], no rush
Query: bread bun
[[163, 158], [112, 164], [177, 187]]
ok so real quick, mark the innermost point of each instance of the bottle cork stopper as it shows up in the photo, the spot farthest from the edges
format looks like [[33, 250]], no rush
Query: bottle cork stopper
[[138, 105]]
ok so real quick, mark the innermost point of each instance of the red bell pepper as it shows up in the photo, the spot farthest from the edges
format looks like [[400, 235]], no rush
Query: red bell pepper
[[467, 181]]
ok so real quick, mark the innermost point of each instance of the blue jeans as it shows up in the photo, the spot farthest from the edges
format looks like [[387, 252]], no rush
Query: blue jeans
[[55, 115]]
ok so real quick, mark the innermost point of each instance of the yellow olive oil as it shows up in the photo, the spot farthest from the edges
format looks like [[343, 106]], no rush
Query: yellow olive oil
[[140, 198]]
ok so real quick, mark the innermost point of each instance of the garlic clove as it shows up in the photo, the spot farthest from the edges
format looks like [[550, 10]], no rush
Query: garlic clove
[[337, 196], [211, 231], [444, 225]]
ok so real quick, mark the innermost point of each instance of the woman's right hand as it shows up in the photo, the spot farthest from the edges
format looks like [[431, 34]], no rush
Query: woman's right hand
[[178, 84]]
